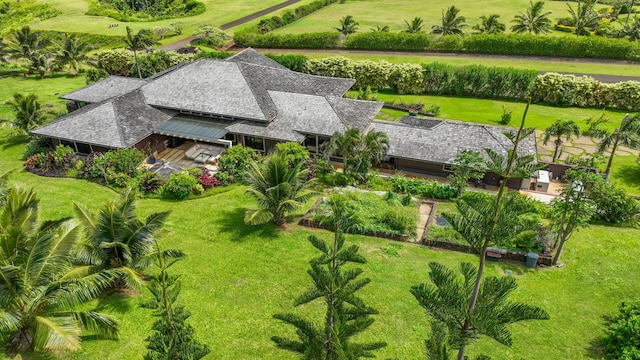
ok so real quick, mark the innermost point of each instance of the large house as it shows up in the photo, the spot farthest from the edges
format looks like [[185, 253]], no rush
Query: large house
[[252, 100]]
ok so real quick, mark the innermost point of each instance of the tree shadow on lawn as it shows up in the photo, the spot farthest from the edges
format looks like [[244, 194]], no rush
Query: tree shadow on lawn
[[115, 302], [629, 175], [234, 224], [11, 141]]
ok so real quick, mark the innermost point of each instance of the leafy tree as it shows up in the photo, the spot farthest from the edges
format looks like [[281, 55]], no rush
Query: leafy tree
[[452, 23], [211, 36], [172, 337], [622, 337], [632, 30], [358, 150], [572, 209], [140, 41], [177, 26], [346, 314], [278, 188], [483, 221], [584, 16], [627, 134], [467, 165], [535, 20], [114, 238], [28, 113], [415, 26], [293, 152], [446, 300], [347, 25], [558, 130], [41, 291], [612, 203], [490, 25], [161, 31], [72, 52], [234, 162]]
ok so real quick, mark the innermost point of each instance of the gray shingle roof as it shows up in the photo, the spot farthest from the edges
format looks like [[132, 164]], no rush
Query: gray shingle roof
[[355, 113], [206, 86], [117, 123], [251, 56], [105, 89], [442, 143], [191, 127]]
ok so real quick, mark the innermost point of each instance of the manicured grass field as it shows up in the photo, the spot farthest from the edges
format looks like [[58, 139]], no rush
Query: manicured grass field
[[372, 13], [218, 12], [237, 276]]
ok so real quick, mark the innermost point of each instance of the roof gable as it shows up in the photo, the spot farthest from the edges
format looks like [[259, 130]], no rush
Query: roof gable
[[251, 56]]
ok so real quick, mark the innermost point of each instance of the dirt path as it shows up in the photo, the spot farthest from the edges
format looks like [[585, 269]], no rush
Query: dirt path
[[184, 42], [599, 77]]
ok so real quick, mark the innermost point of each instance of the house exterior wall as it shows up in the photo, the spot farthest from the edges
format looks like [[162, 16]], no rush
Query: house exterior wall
[[269, 145], [156, 141]]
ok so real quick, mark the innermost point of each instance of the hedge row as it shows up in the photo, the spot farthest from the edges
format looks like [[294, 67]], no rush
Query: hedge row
[[499, 44], [274, 22], [439, 79], [325, 40], [583, 91]]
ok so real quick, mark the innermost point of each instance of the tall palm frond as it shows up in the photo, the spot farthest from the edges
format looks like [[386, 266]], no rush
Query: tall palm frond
[[451, 24], [348, 25], [490, 25], [23, 43], [535, 20], [627, 134], [143, 39], [560, 129], [72, 52], [584, 16], [415, 26], [28, 113]]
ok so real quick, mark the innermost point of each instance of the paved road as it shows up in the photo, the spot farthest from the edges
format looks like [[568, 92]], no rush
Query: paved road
[[599, 77], [184, 42]]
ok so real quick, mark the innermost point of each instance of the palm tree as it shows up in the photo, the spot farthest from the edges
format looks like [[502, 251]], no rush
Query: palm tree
[[415, 26], [490, 25], [627, 134], [381, 28], [142, 40], [72, 52], [114, 238], [278, 187], [347, 25], [28, 113], [534, 20], [584, 16], [42, 291], [446, 299], [558, 130], [358, 150], [452, 24], [23, 43]]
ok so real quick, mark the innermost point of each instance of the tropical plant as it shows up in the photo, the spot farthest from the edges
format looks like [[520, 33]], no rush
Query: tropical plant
[[584, 16], [72, 52], [358, 150], [24, 43], [114, 238], [415, 26], [632, 29], [381, 28], [488, 221], [140, 41], [28, 113], [293, 152], [346, 314], [451, 24], [627, 134], [490, 25], [467, 165], [39, 62], [446, 302], [535, 20], [172, 337], [42, 294], [234, 162], [558, 130], [211, 36], [572, 210], [347, 25], [278, 188]]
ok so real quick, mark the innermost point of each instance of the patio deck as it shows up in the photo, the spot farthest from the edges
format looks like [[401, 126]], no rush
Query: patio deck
[[175, 160]]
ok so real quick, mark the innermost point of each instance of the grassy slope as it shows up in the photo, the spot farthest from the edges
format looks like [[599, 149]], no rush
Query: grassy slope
[[237, 276], [371, 13]]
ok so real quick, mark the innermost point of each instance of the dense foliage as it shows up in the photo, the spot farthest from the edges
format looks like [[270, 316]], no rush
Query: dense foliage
[[275, 22], [180, 185], [234, 163], [14, 14], [145, 10], [324, 40], [388, 215], [622, 338], [121, 62]]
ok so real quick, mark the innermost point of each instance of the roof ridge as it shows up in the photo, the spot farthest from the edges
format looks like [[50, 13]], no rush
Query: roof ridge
[[251, 88], [499, 141], [117, 117]]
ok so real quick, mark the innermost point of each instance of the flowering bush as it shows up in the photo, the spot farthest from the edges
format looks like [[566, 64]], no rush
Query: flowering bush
[[207, 180], [53, 163]]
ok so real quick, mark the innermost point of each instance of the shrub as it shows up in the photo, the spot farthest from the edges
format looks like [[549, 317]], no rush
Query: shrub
[[150, 182], [375, 40], [180, 186], [294, 62], [36, 146], [612, 203], [124, 161], [234, 163], [221, 55], [145, 11], [53, 163], [424, 188], [622, 338], [95, 75], [115, 62], [326, 40], [293, 152], [407, 79], [210, 36], [207, 180]]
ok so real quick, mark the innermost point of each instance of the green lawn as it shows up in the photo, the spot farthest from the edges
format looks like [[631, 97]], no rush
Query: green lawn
[[372, 13], [237, 276]]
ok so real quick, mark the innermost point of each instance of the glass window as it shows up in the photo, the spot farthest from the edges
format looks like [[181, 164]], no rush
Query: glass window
[[69, 144], [447, 167], [83, 148], [254, 142], [231, 137]]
